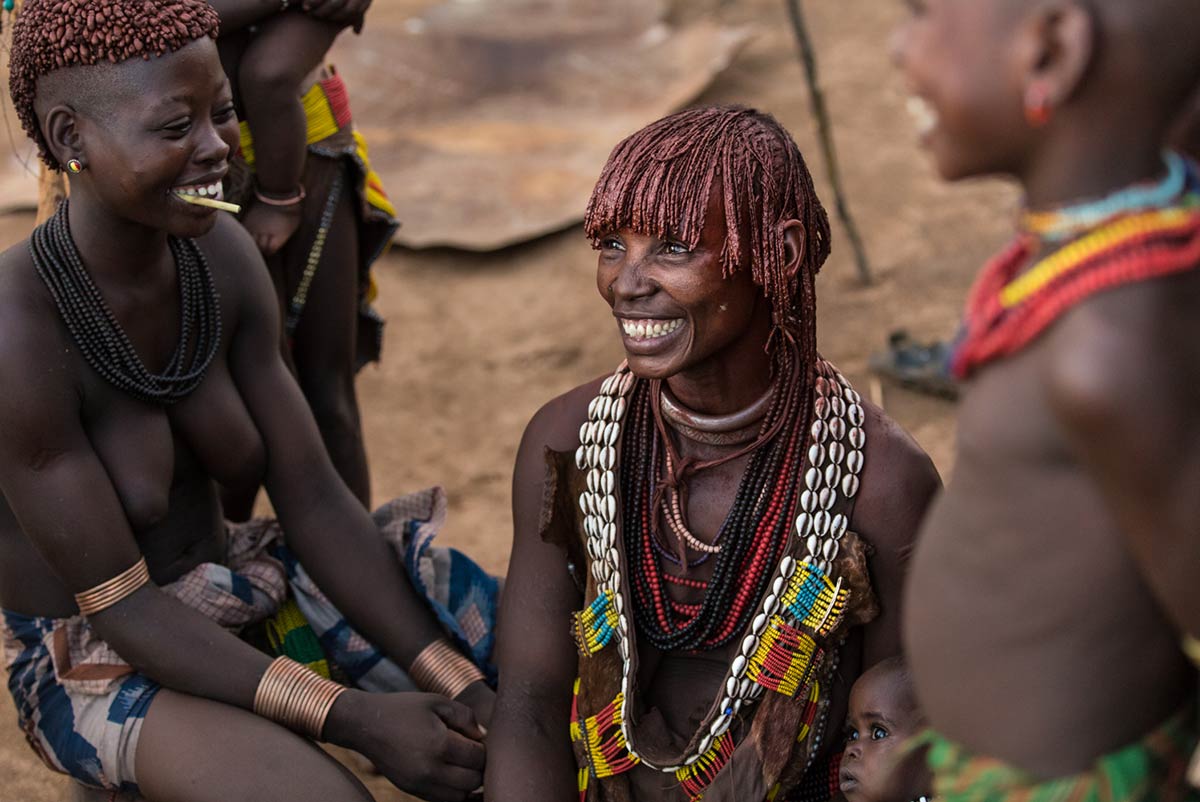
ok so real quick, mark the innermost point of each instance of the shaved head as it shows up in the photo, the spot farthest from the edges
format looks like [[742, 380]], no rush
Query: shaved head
[[69, 51]]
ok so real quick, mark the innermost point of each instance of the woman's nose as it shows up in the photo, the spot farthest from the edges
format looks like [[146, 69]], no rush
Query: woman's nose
[[211, 147], [630, 280]]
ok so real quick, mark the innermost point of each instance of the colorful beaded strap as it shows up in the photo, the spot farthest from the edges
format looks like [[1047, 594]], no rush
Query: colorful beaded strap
[[1058, 225]]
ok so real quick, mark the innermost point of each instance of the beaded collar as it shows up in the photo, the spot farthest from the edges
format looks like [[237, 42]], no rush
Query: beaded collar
[[1063, 223], [1016, 298], [777, 651]]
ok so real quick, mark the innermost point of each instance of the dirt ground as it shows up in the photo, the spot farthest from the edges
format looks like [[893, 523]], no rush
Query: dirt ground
[[475, 343]]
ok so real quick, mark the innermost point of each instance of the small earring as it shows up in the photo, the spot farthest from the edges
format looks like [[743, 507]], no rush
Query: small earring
[[1038, 110], [75, 166]]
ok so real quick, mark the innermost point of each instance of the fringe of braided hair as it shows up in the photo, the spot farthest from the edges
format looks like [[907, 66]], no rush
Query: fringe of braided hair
[[658, 181], [51, 35]]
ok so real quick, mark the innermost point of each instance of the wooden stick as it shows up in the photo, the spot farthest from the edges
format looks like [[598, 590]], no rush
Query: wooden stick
[[209, 202], [808, 57]]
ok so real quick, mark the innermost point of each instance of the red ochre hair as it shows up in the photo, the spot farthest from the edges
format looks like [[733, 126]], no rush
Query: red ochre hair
[[52, 35], [657, 182]]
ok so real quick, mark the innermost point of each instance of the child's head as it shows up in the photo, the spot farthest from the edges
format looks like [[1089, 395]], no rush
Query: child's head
[[1014, 86], [883, 715]]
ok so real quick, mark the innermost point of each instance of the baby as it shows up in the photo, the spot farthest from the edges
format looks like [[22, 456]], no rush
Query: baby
[[273, 66], [883, 716]]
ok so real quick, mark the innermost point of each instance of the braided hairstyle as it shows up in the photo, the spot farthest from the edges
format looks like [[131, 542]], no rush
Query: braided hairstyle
[[658, 182], [52, 35]]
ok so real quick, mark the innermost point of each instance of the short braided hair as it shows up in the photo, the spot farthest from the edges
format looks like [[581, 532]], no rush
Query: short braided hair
[[658, 181], [51, 35]]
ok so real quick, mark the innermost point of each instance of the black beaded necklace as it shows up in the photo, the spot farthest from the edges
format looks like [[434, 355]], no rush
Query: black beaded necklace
[[100, 337], [767, 495]]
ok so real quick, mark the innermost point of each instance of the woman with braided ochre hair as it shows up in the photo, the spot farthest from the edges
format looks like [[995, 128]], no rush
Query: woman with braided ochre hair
[[139, 355], [696, 517]]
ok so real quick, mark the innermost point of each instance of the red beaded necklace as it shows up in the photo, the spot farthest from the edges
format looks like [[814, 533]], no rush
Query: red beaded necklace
[[1009, 306], [754, 535]]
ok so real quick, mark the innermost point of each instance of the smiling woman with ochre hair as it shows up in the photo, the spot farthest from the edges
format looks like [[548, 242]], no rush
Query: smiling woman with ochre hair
[[710, 541], [139, 356]]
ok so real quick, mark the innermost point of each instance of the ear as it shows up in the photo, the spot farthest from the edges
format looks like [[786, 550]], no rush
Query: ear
[[60, 126], [1060, 49], [795, 246]]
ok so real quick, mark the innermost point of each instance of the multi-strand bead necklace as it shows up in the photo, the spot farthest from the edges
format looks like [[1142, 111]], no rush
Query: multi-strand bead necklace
[[1016, 298], [99, 336], [792, 484]]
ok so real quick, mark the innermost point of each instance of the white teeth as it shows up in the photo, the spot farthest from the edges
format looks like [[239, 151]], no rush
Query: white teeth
[[923, 114], [209, 191], [642, 330]]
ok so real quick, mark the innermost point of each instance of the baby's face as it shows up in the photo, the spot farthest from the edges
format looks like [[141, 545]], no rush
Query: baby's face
[[882, 717]]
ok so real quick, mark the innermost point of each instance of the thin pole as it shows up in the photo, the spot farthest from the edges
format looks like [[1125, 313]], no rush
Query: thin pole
[[808, 57]]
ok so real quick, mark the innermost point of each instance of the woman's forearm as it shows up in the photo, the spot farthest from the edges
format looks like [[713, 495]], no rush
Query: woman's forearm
[[339, 546], [181, 649]]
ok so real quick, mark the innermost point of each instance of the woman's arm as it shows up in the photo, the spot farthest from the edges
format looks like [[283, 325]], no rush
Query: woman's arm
[[327, 528], [66, 505], [899, 481], [529, 747]]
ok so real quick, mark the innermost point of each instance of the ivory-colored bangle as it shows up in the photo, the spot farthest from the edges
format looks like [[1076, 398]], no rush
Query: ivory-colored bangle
[[439, 668], [106, 594], [1191, 647], [296, 697]]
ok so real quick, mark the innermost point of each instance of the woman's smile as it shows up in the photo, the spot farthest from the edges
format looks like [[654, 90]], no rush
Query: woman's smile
[[646, 335]]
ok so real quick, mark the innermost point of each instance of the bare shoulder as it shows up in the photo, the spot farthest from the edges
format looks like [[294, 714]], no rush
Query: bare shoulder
[[232, 256], [898, 481], [556, 424], [1126, 357], [556, 427], [31, 333], [38, 365]]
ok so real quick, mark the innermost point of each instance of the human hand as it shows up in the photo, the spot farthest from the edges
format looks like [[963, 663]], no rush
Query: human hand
[[481, 699], [425, 744]]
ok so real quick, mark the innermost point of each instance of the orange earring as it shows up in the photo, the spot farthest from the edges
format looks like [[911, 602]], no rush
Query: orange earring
[[1038, 110]]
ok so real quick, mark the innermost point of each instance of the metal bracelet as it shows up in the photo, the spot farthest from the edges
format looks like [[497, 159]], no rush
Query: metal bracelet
[[121, 586]]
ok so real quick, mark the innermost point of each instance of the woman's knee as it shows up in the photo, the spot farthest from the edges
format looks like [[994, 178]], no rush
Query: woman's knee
[[196, 750]]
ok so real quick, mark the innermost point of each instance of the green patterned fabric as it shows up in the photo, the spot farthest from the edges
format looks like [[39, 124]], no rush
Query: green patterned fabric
[[290, 635], [1151, 770]]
